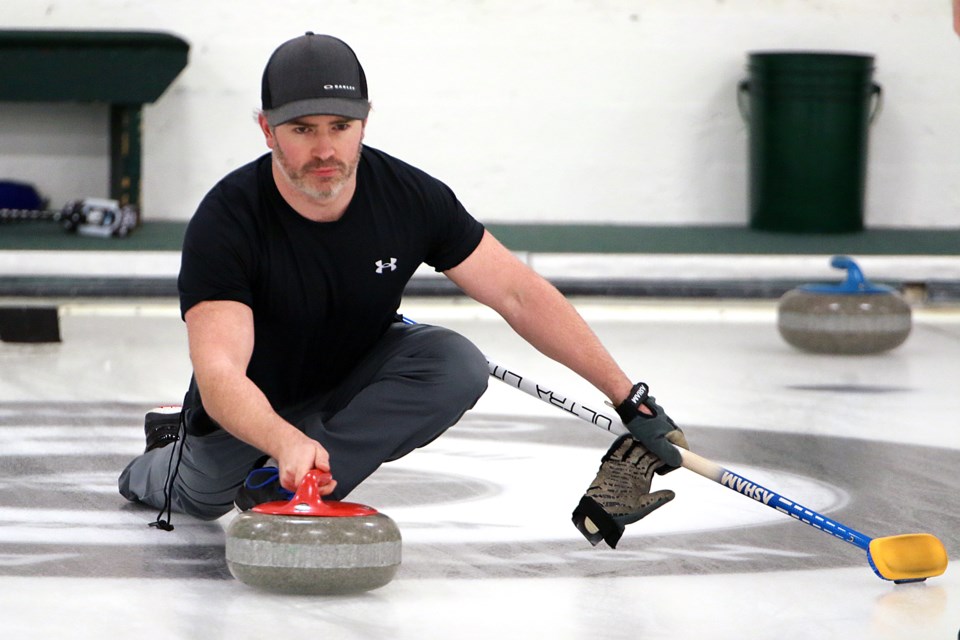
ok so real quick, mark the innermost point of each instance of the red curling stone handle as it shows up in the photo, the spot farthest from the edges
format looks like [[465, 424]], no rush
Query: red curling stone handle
[[308, 502]]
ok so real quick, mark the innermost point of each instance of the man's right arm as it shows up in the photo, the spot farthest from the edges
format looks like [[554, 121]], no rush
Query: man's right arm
[[221, 337]]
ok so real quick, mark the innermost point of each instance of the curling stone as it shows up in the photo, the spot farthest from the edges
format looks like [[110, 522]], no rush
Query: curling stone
[[309, 546], [852, 317]]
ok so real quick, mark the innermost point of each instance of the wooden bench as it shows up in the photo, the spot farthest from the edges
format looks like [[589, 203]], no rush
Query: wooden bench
[[125, 69]]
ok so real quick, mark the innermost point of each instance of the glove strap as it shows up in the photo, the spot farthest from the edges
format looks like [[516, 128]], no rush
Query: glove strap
[[630, 408], [593, 521]]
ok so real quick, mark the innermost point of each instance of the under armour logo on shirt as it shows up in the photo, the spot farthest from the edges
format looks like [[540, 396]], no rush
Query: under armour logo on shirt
[[381, 265]]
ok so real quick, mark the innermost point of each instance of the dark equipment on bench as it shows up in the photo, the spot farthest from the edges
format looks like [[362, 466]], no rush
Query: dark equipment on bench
[[98, 217]]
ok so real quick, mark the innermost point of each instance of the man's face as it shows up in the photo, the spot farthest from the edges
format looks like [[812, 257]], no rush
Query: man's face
[[318, 155]]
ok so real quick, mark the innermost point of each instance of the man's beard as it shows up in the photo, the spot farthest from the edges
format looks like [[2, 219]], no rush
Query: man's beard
[[328, 188]]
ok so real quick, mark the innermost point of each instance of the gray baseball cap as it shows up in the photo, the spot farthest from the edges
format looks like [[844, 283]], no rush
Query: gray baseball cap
[[313, 75]]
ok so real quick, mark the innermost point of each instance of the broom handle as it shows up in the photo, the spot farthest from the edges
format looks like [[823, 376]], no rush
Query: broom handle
[[696, 463]]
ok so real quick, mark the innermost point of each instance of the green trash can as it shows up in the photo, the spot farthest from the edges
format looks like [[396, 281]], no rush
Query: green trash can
[[808, 117]]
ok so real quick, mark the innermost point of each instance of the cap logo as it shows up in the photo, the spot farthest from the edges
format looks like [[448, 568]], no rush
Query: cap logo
[[347, 87]]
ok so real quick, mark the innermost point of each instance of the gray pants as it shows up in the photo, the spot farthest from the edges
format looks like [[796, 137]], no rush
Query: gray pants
[[415, 384]]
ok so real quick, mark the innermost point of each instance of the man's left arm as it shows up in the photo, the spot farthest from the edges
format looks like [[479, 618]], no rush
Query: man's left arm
[[540, 314], [545, 318]]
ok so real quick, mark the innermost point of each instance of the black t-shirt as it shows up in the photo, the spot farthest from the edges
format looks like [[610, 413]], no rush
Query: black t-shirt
[[322, 293]]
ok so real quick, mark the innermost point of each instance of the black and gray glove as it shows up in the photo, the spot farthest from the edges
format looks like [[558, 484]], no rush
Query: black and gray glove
[[620, 494], [657, 432]]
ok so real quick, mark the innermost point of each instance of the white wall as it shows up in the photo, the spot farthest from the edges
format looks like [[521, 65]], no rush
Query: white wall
[[619, 111]]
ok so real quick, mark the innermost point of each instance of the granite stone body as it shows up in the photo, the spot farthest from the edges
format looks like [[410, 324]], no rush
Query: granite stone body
[[310, 555], [843, 323]]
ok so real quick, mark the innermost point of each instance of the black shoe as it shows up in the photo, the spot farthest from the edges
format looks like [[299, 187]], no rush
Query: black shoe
[[262, 485], [161, 426]]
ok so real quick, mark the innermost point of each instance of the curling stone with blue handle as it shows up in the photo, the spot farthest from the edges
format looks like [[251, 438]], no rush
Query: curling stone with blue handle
[[852, 317]]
